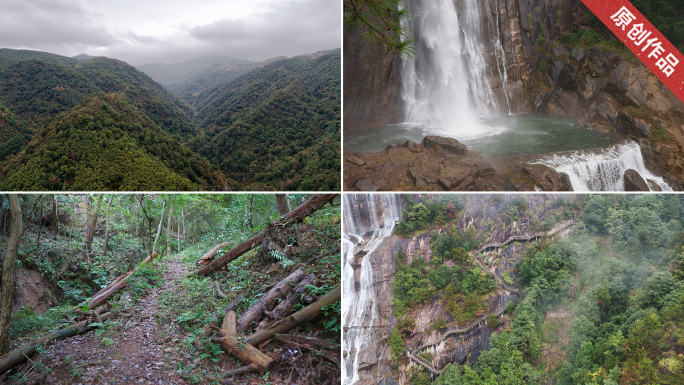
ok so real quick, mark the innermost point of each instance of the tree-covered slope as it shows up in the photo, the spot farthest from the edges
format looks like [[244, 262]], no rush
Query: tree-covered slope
[[13, 133], [107, 143], [36, 91], [277, 127], [164, 108], [25, 54]]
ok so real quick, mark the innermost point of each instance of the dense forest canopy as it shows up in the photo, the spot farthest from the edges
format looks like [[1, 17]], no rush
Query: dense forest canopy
[[273, 128], [603, 304], [73, 246]]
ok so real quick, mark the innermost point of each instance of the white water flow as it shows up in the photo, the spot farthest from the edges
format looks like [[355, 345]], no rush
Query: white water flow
[[604, 169], [446, 85], [368, 220]]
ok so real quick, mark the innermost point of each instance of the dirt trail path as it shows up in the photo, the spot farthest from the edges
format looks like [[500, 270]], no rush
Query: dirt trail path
[[137, 354]]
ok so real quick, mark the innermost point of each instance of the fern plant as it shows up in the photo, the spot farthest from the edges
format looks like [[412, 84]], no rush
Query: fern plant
[[282, 258]]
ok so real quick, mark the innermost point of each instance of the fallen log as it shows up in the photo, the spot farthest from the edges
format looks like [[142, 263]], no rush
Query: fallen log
[[306, 340], [297, 215], [20, 355], [319, 347], [219, 292], [101, 296], [297, 319], [227, 337], [268, 300], [209, 255], [284, 308]]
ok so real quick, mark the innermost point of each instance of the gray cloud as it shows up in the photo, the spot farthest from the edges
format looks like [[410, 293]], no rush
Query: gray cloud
[[49, 24], [283, 28]]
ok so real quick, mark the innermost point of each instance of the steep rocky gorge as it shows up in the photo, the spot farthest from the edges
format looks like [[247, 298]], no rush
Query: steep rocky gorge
[[549, 71], [488, 216]]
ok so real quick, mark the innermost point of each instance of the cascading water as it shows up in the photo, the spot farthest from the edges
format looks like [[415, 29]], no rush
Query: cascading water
[[365, 228], [446, 85], [603, 170]]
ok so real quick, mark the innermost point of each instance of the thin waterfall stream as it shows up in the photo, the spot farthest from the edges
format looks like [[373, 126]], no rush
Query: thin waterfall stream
[[368, 220]]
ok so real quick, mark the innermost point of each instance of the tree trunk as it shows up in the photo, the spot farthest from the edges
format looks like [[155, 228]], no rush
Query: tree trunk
[[297, 319], [169, 230], [106, 240], [101, 296], [281, 201], [8, 272], [209, 255], [285, 306], [161, 220], [297, 215], [20, 355], [178, 235], [91, 227], [184, 235], [40, 231], [227, 337], [268, 301]]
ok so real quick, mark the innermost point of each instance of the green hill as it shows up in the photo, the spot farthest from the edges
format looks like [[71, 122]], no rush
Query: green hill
[[277, 127], [170, 113], [101, 124], [13, 133], [107, 143], [37, 91], [25, 54]]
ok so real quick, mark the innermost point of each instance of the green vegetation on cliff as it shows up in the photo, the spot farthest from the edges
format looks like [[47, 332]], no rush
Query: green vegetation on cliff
[[617, 285]]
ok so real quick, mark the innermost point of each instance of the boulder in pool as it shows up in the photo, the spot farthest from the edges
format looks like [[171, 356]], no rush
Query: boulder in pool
[[634, 181]]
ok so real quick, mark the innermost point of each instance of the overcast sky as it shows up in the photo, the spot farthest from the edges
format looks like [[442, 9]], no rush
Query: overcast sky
[[171, 31]]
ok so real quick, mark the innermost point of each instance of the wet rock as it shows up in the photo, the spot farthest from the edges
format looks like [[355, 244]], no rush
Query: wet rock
[[588, 87], [354, 158], [450, 145], [627, 125], [540, 100], [568, 76], [654, 186], [370, 185], [412, 146], [634, 181], [548, 179], [602, 114], [603, 59]]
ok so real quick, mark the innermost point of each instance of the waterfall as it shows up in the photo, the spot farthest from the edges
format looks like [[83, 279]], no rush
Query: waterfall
[[603, 169], [368, 220], [446, 85]]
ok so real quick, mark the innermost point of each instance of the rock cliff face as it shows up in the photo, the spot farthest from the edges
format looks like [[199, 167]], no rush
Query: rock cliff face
[[371, 83], [488, 214]]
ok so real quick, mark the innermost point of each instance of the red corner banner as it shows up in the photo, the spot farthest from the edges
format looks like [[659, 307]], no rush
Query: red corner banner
[[642, 38]]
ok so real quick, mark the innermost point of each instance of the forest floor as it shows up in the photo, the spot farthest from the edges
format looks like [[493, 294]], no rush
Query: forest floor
[[130, 351], [137, 347]]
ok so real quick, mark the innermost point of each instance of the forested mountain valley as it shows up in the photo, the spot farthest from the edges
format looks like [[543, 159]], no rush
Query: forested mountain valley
[[170, 289], [514, 289], [95, 123]]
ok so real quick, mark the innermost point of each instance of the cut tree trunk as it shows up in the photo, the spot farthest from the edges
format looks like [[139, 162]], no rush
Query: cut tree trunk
[[20, 355], [209, 255], [227, 337], [297, 215], [101, 296], [268, 300], [284, 308], [297, 319], [8, 271]]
